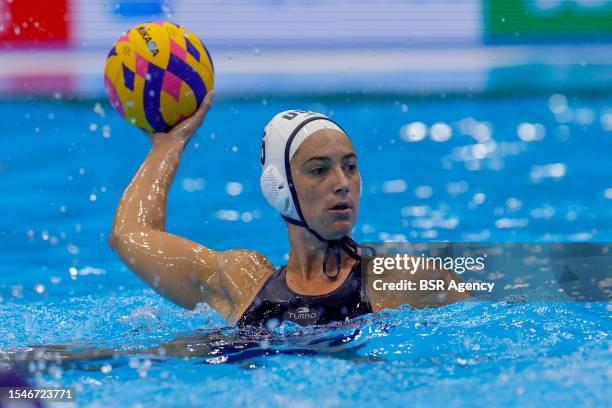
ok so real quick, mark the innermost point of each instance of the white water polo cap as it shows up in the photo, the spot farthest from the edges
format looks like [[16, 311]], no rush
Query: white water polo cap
[[283, 135]]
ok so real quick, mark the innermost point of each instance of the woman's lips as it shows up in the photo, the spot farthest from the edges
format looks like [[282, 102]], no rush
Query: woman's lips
[[342, 209]]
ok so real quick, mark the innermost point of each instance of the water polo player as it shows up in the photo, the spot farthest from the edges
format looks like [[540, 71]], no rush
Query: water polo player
[[310, 175]]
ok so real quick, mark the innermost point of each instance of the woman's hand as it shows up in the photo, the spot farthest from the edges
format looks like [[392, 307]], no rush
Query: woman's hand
[[183, 131]]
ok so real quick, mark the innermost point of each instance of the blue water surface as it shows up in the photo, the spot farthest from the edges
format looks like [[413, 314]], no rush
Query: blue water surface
[[513, 169]]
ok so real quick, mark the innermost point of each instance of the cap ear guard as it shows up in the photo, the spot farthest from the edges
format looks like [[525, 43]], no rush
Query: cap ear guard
[[273, 183], [276, 190]]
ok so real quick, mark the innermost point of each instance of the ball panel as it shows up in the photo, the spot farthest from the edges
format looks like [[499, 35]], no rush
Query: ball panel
[[204, 63], [184, 71], [152, 94], [209, 60], [125, 55], [113, 96], [172, 85], [173, 111], [128, 77], [177, 49]]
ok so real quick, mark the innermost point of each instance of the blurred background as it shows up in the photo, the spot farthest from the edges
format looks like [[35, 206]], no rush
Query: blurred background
[[473, 120], [410, 46]]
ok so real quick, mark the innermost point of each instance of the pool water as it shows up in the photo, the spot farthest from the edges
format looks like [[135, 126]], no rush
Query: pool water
[[513, 169]]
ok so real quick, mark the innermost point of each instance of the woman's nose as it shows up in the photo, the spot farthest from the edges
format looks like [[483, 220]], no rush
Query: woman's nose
[[341, 182]]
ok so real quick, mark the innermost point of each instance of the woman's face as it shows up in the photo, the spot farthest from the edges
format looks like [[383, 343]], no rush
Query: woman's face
[[327, 181]]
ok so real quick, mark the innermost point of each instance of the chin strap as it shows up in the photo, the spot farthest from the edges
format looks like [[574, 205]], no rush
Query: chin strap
[[346, 243], [349, 246]]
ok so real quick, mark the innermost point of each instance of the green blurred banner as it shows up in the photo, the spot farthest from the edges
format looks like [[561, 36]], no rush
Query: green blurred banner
[[524, 20]]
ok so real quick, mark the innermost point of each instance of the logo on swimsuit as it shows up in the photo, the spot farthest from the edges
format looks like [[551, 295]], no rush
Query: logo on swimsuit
[[303, 313]]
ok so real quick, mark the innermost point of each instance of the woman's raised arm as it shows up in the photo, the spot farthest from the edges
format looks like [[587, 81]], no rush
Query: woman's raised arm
[[179, 269]]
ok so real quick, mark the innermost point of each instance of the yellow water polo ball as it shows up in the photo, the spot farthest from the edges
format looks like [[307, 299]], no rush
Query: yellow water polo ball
[[157, 74]]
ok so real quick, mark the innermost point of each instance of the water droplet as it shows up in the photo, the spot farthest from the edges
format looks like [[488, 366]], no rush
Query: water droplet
[[272, 324], [394, 186], [17, 291], [459, 187], [413, 132], [228, 215], [233, 188], [106, 131], [585, 116], [531, 132], [440, 132], [562, 133], [423, 192], [514, 203], [557, 103], [99, 110], [479, 198], [193, 184]]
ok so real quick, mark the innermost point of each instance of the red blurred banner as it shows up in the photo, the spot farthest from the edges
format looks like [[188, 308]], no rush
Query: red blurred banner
[[34, 22]]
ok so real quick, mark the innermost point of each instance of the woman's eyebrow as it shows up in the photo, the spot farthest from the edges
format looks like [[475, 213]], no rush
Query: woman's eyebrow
[[322, 158], [325, 158]]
